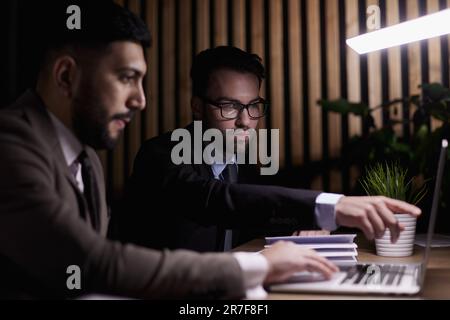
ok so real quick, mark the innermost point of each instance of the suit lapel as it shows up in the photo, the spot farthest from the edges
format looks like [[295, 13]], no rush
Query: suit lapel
[[37, 114]]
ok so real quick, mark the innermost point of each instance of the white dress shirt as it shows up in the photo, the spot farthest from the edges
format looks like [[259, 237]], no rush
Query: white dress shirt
[[71, 148]]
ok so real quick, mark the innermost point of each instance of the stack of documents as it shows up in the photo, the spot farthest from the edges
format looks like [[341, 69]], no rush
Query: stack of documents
[[340, 248]]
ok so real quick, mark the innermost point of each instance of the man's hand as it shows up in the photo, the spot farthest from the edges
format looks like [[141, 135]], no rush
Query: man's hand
[[311, 233], [373, 215], [286, 258]]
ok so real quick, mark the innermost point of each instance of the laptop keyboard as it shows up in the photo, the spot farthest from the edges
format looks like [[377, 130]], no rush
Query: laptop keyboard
[[365, 274]]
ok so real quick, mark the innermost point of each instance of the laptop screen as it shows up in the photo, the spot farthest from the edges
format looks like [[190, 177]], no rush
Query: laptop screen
[[435, 205]]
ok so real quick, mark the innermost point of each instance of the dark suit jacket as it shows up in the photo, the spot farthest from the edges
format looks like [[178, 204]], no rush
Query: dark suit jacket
[[44, 228], [194, 206]]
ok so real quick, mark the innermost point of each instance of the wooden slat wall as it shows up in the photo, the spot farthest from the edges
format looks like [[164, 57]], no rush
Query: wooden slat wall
[[276, 71], [185, 61], [314, 84], [434, 53], [256, 33], [334, 88], [353, 64], [302, 43], [394, 61], [238, 20], [295, 83]]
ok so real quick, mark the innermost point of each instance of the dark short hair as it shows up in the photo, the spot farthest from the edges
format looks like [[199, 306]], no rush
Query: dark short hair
[[223, 57], [102, 22]]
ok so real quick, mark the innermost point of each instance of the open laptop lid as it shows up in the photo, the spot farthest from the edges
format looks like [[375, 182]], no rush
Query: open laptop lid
[[434, 208]]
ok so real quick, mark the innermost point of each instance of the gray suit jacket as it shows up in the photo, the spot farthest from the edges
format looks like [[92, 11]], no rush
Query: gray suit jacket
[[45, 228]]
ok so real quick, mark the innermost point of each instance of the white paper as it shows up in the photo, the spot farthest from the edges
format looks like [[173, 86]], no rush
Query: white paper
[[438, 241], [337, 238]]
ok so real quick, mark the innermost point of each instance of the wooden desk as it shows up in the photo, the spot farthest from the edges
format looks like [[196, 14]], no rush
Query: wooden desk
[[437, 280]]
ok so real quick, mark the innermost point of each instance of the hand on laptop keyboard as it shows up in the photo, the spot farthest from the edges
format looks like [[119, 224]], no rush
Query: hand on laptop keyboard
[[286, 258]]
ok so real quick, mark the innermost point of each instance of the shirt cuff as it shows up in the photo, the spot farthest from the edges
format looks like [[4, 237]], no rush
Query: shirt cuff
[[325, 210], [254, 267]]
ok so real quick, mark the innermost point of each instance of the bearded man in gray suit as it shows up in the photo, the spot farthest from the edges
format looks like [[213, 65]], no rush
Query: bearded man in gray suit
[[53, 213]]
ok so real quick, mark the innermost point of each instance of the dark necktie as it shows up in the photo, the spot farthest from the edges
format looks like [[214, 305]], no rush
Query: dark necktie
[[230, 175], [91, 193]]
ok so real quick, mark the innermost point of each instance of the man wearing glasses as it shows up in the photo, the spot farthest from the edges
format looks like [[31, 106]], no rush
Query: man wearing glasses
[[200, 203]]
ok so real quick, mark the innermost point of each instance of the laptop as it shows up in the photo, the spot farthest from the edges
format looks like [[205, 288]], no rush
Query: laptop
[[374, 278]]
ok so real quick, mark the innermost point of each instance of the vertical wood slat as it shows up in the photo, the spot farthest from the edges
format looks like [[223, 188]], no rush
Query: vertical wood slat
[[238, 18], [276, 72], [353, 75], [414, 55], [434, 47], [152, 84], [116, 181], [185, 61], [333, 88], [203, 28], [134, 128], [434, 57], [375, 94], [314, 80], [394, 62], [295, 83], [257, 25], [353, 65], [220, 23], [168, 64]]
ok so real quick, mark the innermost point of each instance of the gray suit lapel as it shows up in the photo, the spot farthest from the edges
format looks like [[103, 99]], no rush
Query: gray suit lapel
[[39, 119]]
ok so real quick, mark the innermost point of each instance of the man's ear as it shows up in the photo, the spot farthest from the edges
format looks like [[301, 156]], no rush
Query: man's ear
[[197, 108], [64, 74]]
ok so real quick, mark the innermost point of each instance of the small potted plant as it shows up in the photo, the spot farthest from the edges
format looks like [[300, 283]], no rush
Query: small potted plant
[[391, 180]]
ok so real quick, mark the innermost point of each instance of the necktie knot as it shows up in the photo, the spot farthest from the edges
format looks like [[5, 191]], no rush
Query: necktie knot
[[74, 167], [229, 174], [90, 188]]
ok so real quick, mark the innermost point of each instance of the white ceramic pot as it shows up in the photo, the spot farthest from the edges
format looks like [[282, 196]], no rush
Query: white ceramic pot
[[405, 244]]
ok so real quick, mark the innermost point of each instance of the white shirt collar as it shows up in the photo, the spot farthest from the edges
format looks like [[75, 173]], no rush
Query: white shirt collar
[[70, 144], [217, 168]]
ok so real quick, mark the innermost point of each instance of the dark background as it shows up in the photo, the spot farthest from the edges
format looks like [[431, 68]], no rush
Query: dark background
[[306, 58]]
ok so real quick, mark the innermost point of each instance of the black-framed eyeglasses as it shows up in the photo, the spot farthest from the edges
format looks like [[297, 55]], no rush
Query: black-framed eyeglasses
[[232, 109]]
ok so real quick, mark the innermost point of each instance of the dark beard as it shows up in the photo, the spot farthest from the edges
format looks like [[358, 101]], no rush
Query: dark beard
[[90, 120]]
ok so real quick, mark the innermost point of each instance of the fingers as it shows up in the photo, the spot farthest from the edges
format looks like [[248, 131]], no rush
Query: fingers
[[327, 263], [402, 207], [307, 233], [390, 221], [367, 228], [317, 265], [376, 221], [374, 214], [314, 262]]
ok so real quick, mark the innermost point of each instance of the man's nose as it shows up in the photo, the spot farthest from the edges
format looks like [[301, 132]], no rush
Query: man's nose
[[243, 120], [137, 99]]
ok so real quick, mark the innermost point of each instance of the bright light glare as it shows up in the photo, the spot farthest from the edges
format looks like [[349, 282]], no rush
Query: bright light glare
[[430, 26]]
